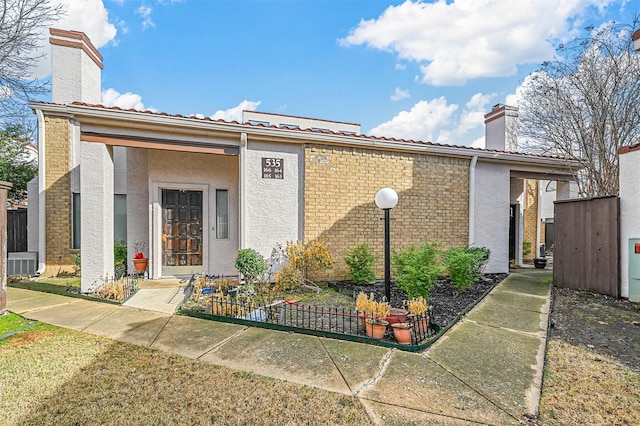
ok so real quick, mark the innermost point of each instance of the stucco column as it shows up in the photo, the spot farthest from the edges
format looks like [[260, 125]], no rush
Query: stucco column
[[629, 218], [138, 208], [4, 188], [492, 214], [96, 217]]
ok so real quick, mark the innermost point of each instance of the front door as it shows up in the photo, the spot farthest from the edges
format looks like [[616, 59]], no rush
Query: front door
[[181, 232]]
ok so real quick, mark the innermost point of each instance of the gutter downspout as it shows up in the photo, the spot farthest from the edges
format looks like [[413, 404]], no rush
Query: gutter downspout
[[472, 201], [42, 199], [242, 157]]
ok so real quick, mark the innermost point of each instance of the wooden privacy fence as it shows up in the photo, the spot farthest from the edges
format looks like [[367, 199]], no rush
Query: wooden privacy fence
[[587, 245], [16, 230]]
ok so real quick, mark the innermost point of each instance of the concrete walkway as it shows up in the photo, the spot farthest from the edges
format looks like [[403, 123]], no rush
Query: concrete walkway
[[486, 370]]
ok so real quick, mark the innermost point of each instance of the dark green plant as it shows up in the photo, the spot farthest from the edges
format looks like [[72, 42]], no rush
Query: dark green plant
[[465, 265], [250, 263], [526, 248], [360, 260], [119, 254], [13, 165], [417, 268]]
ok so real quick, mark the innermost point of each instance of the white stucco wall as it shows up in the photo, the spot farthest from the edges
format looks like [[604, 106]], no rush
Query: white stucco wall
[[492, 214], [138, 204], [74, 77], [194, 171], [273, 206], [629, 208], [96, 218], [33, 213]]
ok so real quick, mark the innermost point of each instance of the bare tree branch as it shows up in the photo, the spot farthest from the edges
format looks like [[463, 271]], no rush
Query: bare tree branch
[[21, 31], [586, 104]]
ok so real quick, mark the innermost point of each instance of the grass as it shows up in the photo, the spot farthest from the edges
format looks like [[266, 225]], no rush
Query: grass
[[581, 387], [50, 375], [11, 322]]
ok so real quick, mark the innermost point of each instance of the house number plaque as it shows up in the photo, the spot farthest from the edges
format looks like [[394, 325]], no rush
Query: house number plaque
[[272, 168]]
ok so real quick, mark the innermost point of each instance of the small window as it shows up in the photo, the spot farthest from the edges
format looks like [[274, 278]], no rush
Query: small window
[[75, 220], [222, 214], [119, 217]]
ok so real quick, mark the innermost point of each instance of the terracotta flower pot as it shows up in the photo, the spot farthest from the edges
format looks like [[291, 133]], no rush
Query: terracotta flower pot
[[402, 332], [140, 264], [376, 330], [397, 315]]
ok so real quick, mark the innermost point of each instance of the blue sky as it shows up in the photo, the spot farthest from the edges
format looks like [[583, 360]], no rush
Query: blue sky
[[417, 70]]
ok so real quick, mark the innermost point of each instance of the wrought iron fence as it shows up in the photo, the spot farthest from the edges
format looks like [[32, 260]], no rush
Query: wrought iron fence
[[116, 288], [211, 299]]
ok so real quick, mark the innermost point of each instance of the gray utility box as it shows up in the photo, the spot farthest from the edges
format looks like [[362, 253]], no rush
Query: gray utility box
[[634, 269]]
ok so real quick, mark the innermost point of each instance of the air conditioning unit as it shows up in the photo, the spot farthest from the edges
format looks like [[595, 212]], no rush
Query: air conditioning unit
[[23, 263]]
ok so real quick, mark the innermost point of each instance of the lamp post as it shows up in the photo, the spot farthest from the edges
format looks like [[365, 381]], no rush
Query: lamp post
[[386, 199]]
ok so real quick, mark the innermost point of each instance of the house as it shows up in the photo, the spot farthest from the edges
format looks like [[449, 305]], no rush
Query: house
[[195, 190]]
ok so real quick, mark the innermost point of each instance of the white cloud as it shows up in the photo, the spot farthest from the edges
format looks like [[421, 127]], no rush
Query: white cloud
[[478, 143], [440, 122], [88, 16], [235, 113], [112, 97], [420, 123], [457, 40], [145, 13], [399, 94], [471, 119], [401, 67]]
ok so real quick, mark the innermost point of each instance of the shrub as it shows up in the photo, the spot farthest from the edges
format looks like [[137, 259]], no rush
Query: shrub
[[417, 268], [360, 261], [465, 265], [526, 248], [250, 263], [315, 257], [304, 262]]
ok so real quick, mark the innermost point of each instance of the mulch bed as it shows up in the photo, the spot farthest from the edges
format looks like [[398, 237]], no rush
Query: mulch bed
[[446, 300]]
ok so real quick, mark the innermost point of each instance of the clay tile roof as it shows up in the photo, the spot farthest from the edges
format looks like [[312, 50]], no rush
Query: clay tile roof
[[347, 134]]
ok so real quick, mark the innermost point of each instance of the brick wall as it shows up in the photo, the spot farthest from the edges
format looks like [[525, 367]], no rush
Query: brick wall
[[340, 185], [531, 216], [58, 194]]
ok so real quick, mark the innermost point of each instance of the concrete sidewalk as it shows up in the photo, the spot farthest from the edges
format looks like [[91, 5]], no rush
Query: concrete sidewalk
[[487, 369]]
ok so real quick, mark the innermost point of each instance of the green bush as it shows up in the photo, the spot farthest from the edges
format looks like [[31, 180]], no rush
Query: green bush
[[526, 248], [360, 261], [465, 265], [250, 263], [119, 254], [417, 268]]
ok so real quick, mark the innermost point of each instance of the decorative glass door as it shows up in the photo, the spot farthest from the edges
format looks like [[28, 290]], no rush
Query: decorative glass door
[[181, 232]]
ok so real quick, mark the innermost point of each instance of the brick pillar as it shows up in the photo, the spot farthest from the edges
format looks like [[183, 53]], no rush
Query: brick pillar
[[4, 188], [57, 187]]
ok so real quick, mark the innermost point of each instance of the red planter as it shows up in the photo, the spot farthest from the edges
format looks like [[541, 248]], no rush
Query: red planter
[[397, 315], [140, 264]]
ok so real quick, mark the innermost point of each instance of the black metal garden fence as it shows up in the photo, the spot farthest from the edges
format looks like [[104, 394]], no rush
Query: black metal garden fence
[[221, 302]]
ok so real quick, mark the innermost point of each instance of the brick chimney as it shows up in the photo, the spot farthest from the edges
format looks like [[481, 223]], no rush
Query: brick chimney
[[500, 131], [76, 67]]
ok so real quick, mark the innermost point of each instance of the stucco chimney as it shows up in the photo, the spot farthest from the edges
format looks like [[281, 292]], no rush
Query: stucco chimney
[[76, 67], [500, 131]]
